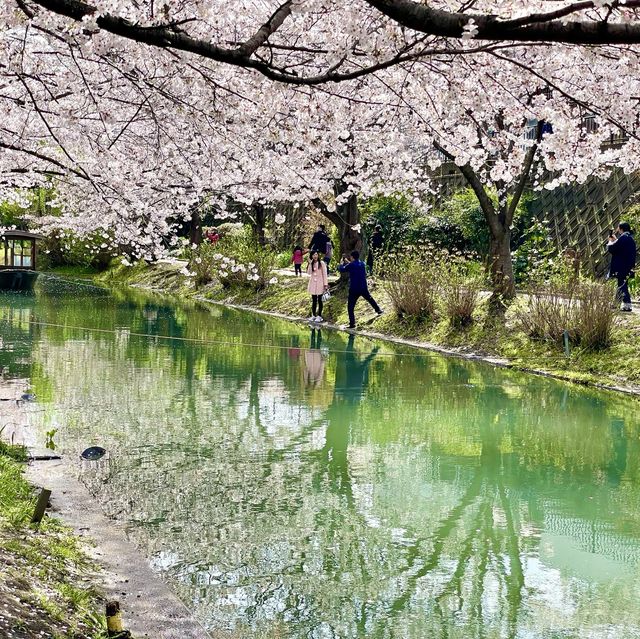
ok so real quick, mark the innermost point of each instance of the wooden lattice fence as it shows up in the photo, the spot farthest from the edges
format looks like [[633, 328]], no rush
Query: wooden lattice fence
[[580, 215]]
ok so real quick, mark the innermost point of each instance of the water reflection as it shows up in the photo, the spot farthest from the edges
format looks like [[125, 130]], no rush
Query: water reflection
[[314, 360], [319, 485]]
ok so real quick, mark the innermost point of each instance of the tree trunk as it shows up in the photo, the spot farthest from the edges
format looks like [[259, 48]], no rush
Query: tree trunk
[[501, 268], [257, 210], [195, 227], [348, 215]]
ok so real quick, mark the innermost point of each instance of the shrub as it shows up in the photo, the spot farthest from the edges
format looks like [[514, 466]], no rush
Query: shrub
[[283, 259], [66, 248], [412, 289], [394, 213], [203, 262], [547, 315], [595, 314], [438, 232], [236, 260], [252, 269], [460, 290], [587, 310]]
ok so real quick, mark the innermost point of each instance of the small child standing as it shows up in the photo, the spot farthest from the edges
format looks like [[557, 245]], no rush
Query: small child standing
[[297, 259]]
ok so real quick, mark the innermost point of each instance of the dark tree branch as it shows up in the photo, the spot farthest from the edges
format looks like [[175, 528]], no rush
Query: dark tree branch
[[478, 188], [538, 27], [332, 216], [44, 158], [524, 174], [267, 29], [535, 28]]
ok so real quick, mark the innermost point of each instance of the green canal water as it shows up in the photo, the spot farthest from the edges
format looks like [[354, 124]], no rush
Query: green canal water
[[292, 484]]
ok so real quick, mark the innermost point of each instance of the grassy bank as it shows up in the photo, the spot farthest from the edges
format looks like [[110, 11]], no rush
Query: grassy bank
[[616, 366], [45, 582]]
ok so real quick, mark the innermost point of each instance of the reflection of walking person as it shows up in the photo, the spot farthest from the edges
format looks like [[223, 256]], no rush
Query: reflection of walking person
[[375, 247], [318, 284], [314, 361], [623, 260], [357, 285]]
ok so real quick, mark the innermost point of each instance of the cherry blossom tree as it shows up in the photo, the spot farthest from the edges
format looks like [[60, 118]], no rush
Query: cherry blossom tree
[[337, 40], [142, 113]]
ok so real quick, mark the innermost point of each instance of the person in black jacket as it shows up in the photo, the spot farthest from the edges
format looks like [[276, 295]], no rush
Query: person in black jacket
[[623, 261], [319, 240]]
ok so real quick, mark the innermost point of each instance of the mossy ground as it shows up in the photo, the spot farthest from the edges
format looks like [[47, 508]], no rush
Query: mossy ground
[[617, 365], [45, 582]]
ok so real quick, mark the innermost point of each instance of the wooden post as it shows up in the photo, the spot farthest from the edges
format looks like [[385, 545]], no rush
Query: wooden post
[[114, 621], [41, 506], [33, 254]]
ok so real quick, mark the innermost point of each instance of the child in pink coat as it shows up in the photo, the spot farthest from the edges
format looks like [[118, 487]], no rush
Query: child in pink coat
[[297, 259], [318, 284]]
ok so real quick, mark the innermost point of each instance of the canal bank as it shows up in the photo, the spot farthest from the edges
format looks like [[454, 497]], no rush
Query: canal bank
[[497, 342], [59, 574]]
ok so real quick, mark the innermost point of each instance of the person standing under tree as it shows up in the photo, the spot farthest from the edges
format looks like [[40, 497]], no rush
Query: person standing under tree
[[623, 261], [357, 285], [318, 284], [375, 247], [213, 236], [297, 258], [319, 240]]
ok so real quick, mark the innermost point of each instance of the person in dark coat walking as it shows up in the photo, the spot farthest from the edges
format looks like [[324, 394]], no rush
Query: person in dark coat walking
[[357, 285], [623, 261], [319, 240]]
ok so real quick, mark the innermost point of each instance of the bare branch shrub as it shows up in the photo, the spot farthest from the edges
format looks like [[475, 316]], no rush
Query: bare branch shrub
[[587, 310], [460, 291], [595, 314], [412, 288]]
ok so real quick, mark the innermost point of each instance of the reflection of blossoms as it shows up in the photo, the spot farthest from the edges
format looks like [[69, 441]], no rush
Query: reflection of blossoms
[[273, 280], [279, 218]]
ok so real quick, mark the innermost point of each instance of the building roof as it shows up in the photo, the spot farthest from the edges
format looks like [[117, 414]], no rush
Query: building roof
[[21, 235]]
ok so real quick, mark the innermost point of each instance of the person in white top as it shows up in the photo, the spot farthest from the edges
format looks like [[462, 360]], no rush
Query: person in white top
[[318, 284]]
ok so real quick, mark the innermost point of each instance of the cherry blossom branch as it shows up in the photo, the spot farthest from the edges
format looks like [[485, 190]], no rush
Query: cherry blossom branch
[[539, 27], [44, 158], [544, 27], [267, 29], [524, 174], [581, 103]]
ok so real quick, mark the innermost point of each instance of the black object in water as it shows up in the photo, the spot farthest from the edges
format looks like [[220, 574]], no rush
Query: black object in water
[[93, 453], [28, 397]]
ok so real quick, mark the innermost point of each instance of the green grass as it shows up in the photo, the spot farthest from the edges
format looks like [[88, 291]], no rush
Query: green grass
[[45, 576]]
